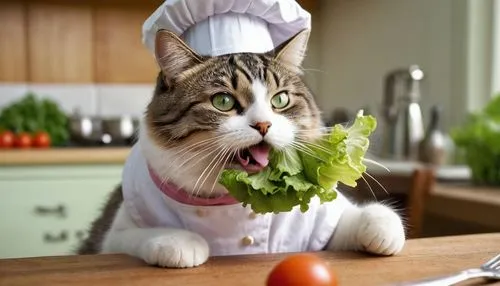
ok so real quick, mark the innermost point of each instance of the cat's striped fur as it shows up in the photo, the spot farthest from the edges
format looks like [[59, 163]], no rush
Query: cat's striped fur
[[181, 117]]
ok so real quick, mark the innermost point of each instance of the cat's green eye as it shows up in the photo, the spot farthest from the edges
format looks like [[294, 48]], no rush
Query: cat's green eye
[[280, 100], [223, 101]]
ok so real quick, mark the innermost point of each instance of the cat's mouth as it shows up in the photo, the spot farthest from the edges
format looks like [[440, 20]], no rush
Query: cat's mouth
[[254, 158]]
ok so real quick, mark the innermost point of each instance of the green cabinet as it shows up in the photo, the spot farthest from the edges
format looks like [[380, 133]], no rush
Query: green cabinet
[[47, 210]]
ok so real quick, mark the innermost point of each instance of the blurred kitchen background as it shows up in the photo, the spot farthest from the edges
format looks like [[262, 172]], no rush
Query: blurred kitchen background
[[75, 79]]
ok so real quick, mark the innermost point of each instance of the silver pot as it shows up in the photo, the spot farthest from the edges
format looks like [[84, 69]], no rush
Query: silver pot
[[85, 129], [120, 129], [93, 130]]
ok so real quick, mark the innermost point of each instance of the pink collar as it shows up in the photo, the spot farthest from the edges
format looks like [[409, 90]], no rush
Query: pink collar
[[183, 197]]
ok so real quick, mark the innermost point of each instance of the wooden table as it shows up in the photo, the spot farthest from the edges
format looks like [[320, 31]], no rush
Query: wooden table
[[420, 258]]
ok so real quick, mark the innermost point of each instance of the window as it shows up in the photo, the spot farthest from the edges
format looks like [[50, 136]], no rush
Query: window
[[495, 75]]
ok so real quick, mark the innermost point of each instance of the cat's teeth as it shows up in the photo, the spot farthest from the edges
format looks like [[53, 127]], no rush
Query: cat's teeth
[[243, 159]]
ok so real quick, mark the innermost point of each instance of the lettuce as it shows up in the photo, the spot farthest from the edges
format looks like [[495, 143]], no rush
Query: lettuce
[[339, 156], [479, 137], [293, 177]]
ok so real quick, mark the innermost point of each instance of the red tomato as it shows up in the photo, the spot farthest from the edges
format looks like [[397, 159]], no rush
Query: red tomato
[[302, 269], [6, 139], [41, 140], [23, 140]]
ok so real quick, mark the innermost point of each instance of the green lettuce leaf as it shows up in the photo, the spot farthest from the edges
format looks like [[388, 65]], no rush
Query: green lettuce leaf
[[286, 161], [293, 177], [339, 156], [271, 196]]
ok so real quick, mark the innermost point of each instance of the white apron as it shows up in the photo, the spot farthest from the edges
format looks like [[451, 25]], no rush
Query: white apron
[[228, 229]]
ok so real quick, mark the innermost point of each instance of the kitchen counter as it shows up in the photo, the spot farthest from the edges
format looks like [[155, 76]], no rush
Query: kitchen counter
[[442, 173], [466, 203], [64, 156], [421, 258]]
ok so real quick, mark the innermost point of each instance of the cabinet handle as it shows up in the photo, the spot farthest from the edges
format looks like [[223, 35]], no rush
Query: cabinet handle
[[50, 238], [59, 210]]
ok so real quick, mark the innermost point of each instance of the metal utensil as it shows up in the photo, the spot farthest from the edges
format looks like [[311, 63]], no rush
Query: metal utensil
[[401, 116], [120, 129], [490, 269], [86, 130]]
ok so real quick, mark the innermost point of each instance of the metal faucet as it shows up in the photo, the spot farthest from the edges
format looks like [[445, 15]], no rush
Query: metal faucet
[[401, 113]]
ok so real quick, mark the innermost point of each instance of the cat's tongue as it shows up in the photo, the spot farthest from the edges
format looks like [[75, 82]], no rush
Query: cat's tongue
[[260, 154], [256, 159]]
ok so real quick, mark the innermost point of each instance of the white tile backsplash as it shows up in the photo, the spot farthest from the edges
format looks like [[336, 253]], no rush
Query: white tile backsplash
[[99, 99], [69, 96], [11, 92], [123, 99]]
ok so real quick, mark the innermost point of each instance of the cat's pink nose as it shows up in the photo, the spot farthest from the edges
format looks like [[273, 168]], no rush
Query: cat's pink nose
[[262, 127]]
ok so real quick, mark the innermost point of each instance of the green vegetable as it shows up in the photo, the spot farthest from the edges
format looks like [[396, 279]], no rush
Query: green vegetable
[[341, 154], [480, 139], [30, 114], [293, 177]]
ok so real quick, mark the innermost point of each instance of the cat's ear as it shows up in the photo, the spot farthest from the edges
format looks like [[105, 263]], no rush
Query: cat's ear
[[292, 52], [173, 55]]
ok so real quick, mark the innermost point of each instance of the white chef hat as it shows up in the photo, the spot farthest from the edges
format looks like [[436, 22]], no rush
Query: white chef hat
[[216, 27]]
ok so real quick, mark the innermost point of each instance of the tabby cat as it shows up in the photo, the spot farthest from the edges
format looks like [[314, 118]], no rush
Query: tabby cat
[[210, 113]]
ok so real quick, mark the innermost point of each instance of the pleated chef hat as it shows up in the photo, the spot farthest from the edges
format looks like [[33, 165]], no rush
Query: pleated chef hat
[[217, 27]]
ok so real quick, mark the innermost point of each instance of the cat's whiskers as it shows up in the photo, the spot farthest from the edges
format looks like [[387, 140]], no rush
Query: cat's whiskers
[[202, 142], [178, 168], [298, 147], [312, 114], [194, 145], [164, 180], [237, 137], [322, 129], [376, 163], [230, 157], [207, 146], [315, 145], [287, 152], [197, 153], [369, 187], [345, 124], [302, 147], [222, 158], [210, 167], [197, 187], [309, 136], [240, 140], [376, 181], [307, 140], [187, 164]]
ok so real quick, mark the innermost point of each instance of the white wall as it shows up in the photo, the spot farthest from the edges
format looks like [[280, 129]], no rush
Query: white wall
[[362, 40], [495, 79], [313, 58], [91, 99]]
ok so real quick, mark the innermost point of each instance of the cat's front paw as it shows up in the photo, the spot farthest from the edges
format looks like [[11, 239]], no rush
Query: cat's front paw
[[380, 231], [179, 249]]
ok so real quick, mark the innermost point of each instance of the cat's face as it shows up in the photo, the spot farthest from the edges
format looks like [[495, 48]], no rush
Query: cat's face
[[208, 113]]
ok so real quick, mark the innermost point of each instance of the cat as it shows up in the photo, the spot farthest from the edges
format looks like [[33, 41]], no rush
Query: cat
[[209, 113]]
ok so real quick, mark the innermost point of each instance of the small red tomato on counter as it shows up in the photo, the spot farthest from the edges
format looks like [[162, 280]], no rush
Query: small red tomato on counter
[[41, 140], [302, 269], [7, 139], [23, 140]]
